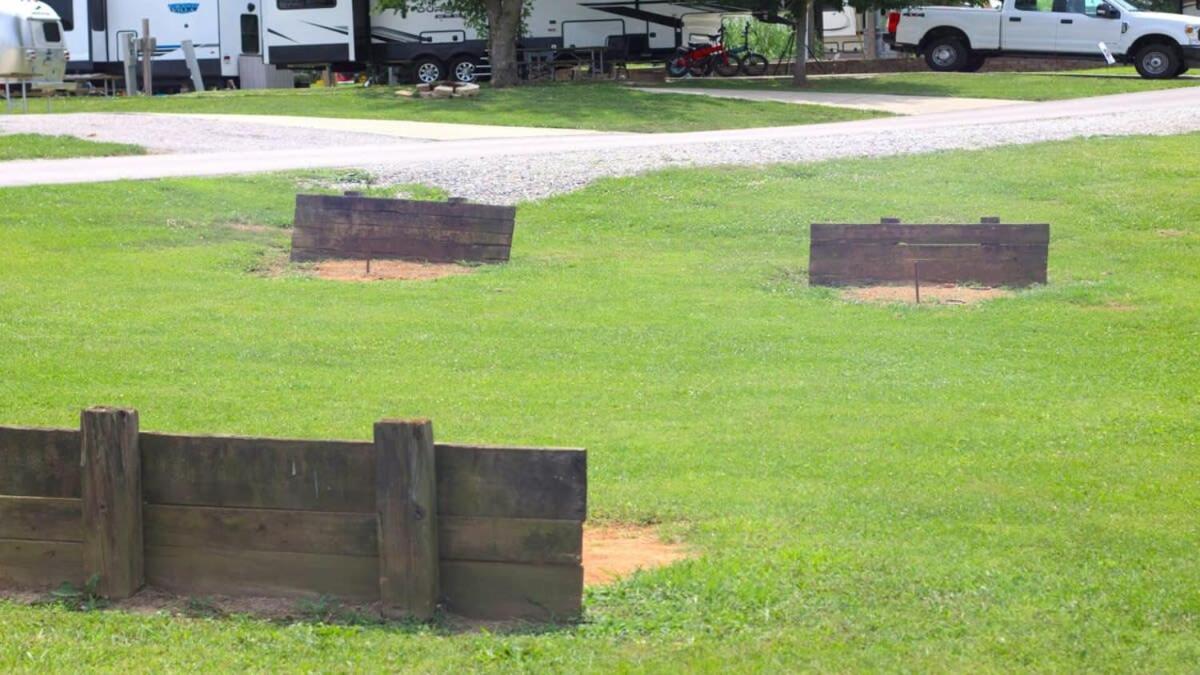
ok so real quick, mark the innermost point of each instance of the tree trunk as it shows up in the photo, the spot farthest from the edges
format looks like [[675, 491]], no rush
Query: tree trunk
[[871, 34], [504, 27], [800, 64]]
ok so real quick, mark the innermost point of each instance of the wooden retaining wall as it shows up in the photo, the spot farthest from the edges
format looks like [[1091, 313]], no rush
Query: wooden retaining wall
[[363, 228], [487, 532], [890, 252]]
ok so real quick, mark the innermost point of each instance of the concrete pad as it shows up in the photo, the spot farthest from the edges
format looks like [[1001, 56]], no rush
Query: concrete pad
[[892, 103], [430, 131]]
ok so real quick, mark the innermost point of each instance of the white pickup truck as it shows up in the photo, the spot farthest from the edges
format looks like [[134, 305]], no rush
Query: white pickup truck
[[962, 38]]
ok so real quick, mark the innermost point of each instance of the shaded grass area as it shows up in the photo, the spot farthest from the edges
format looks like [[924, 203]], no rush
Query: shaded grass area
[[39, 146], [1019, 86], [1006, 486], [599, 106]]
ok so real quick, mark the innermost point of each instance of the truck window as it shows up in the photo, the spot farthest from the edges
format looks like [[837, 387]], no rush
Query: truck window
[[1034, 5]]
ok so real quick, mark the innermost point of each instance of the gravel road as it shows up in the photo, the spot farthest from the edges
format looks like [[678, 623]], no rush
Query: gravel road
[[508, 179], [516, 169], [167, 134]]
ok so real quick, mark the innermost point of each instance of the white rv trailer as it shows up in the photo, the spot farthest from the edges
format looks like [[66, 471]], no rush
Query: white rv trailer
[[31, 43], [442, 44], [223, 32]]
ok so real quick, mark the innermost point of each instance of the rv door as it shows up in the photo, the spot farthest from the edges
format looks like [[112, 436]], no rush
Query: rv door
[[309, 32]]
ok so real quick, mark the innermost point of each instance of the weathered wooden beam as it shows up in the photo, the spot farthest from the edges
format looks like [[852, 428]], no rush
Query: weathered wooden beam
[[40, 564], [349, 534], [190, 570], [490, 590], [406, 498], [512, 482], [41, 518], [111, 469], [39, 462]]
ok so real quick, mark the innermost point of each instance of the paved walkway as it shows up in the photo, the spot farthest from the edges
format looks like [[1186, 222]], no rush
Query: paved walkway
[[428, 131], [522, 168], [893, 103]]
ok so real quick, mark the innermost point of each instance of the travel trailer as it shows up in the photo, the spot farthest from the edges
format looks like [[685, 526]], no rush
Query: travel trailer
[[31, 43]]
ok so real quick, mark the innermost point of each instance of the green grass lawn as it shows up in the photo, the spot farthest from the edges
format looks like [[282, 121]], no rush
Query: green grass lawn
[[38, 146], [1022, 86], [599, 106], [1005, 486]]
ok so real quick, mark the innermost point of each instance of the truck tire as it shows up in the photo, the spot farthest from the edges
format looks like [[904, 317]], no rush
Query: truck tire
[[974, 63], [462, 69], [428, 70], [947, 54], [1158, 61]]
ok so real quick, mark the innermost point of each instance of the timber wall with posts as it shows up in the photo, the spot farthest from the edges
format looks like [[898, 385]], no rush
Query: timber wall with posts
[[487, 532], [891, 252]]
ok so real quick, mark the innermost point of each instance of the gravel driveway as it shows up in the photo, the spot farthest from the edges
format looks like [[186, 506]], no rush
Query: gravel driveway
[[512, 170]]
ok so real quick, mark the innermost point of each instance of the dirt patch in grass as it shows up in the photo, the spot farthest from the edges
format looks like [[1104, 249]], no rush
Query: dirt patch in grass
[[934, 294], [612, 552], [383, 270]]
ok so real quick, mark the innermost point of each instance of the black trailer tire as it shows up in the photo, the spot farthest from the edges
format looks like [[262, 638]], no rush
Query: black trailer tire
[[1183, 68], [754, 65], [427, 70], [974, 63], [1158, 61], [462, 69], [947, 54]]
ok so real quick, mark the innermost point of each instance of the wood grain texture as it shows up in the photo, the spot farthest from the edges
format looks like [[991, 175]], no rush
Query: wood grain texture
[[522, 540], [112, 500], [41, 518], [406, 499], [238, 472], [40, 564], [487, 590], [188, 570], [512, 482], [992, 254], [39, 462], [351, 534], [367, 228]]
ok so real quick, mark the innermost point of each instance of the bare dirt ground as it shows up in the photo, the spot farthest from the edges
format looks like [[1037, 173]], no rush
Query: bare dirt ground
[[383, 270], [934, 294], [610, 553]]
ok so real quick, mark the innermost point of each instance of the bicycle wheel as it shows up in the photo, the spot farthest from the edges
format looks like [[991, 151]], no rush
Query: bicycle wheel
[[727, 66], [754, 64], [701, 68], [677, 66]]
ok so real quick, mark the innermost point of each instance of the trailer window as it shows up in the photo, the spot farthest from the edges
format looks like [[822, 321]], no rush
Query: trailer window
[[51, 31], [66, 12], [98, 14], [305, 4], [250, 34]]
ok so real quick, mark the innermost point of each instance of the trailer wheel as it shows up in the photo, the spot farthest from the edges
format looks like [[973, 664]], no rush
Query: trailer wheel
[[946, 54], [462, 69], [428, 70], [1157, 61]]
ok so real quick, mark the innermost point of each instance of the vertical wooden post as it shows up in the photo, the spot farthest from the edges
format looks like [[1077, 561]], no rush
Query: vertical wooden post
[[406, 499], [111, 478]]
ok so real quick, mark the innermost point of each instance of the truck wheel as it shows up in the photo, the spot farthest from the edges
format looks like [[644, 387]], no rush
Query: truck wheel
[[974, 63], [462, 69], [429, 70], [1158, 61], [1183, 68], [946, 54]]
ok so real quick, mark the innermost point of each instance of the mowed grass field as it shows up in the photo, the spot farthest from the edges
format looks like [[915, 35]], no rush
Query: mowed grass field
[[40, 146], [998, 487], [597, 106], [1020, 86]]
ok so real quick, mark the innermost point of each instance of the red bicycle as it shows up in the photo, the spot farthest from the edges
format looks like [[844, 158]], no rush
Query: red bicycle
[[702, 59]]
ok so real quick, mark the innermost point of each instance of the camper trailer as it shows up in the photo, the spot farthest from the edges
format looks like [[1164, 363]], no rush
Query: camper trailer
[[229, 36], [31, 42], [439, 45]]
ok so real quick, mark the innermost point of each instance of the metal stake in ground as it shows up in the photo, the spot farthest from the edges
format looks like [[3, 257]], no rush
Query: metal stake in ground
[[917, 279]]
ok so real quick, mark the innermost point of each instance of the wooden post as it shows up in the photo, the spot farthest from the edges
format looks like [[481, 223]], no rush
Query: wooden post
[[406, 499], [111, 477]]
